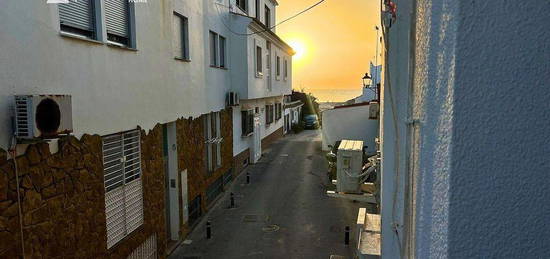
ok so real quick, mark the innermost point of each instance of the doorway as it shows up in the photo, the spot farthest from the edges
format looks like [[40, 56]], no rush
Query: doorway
[[171, 180], [257, 140]]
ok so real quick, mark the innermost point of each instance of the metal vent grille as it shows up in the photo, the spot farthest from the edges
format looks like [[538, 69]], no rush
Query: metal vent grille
[[124, 195], [22, 123], [147, 250]]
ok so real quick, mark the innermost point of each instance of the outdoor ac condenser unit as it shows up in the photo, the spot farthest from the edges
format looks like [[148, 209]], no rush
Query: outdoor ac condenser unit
[[43, 116], [348, 166]]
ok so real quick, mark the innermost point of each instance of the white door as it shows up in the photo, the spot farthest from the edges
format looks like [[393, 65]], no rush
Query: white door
[[170, 140], [257, 140]]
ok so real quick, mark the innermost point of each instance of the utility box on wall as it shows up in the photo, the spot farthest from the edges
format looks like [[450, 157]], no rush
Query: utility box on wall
[[348, 166]]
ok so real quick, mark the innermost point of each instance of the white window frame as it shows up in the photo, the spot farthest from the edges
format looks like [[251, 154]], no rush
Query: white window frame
[[123, 198], [258, 60]]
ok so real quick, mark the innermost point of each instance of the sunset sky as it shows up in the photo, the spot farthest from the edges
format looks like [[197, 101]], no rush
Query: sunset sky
[[334, 41]]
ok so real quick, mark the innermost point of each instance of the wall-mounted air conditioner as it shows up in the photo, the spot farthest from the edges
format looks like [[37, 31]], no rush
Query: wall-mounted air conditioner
[[232, 99], [43, 116], [374, 110]]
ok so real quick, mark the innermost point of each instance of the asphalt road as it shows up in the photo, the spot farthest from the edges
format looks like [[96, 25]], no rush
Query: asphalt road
[[283, 213]]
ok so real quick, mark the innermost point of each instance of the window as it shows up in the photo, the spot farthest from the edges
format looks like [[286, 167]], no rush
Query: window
[[117, 21], [278, 111], [242, 5], [122, 178], [258, 9], [213, 140], [213, 49], [267, 17], [278, 68], [247, 122], [217, 50], [181, 37], [195, 210], [77, 17], [286, 69], [222, 52], [269, 110], [214, 190], [259, 69]]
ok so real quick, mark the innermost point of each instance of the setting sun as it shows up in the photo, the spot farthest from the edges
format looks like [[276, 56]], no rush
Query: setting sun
[[299, 47]]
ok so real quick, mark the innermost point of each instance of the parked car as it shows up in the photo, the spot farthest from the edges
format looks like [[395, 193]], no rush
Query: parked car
[[311, 121]]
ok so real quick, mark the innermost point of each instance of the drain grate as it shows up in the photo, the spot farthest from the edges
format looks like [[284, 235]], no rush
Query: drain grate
[[271, 228], [250, 218]]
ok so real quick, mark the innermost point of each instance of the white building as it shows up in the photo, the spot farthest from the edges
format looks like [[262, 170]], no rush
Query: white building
[[131, 65], [261, 80], [292, 113], [464, 153], [350, 122]]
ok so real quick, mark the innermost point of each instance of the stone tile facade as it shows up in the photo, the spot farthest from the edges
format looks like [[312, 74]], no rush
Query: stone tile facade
[[63, 201], [240, 161], [191, 156]]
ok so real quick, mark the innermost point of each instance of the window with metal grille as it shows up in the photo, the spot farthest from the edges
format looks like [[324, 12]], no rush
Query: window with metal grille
[[147, 250], [117, 21], [213, 140], [214, 190], [77, 17], [181, 36], [247, 122], [123, 190]]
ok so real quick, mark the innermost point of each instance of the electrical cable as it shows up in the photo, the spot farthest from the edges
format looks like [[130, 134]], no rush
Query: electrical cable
[[396, 128], [13, 152], [269, 28]]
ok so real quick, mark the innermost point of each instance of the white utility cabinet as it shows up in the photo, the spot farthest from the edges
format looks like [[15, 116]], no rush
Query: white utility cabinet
[[348, 166]]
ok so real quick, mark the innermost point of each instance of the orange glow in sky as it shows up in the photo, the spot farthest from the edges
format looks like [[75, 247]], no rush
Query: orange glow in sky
[[334, 42]]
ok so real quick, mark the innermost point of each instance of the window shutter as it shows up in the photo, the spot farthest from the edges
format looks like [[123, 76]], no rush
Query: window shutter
[[116, 17], [77, 14]]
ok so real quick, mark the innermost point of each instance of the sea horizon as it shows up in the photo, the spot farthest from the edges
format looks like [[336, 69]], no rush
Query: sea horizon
[[333, 95]]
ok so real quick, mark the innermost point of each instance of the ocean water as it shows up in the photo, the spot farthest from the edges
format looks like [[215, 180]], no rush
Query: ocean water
[[334, 95]]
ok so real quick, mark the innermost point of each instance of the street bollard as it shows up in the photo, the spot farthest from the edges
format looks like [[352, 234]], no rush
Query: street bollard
[[232, 200], [208, 230], [346, 239], [247, 178]]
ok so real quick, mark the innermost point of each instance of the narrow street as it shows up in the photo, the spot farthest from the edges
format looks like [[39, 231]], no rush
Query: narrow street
[[283, 213]]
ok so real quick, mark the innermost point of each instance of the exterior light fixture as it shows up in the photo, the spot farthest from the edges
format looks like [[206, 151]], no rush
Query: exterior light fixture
[[367, 80]]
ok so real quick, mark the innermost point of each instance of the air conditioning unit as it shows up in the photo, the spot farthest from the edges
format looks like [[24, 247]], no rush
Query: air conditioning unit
[[349, 163], [43, 116], [374, 110], [232, 99]]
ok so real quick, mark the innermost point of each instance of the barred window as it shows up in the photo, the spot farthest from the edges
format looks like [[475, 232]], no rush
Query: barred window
[[123, 190]]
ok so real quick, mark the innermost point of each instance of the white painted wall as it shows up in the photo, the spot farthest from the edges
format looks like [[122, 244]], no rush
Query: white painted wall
[[113, 89], [478, 176], [241, 143], [350, 123]]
